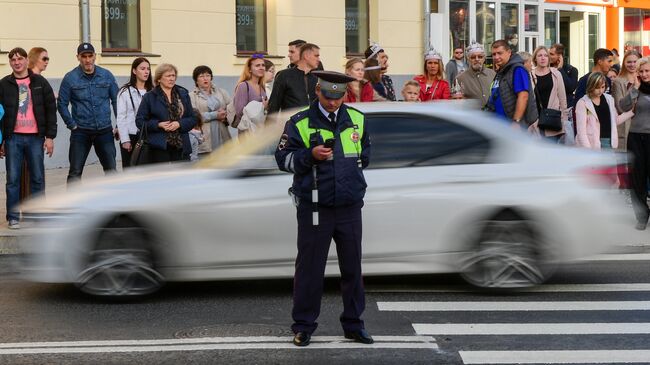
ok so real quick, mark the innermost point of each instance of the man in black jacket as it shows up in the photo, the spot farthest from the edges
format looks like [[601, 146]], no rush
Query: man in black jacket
[[569, 73], [28, 127], [295, 87]]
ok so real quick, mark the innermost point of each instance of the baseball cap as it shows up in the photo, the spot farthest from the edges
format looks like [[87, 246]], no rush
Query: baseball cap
[[85, 48]]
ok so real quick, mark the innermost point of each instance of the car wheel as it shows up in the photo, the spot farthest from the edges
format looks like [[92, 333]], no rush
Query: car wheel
[[121, 262], [507, 254]]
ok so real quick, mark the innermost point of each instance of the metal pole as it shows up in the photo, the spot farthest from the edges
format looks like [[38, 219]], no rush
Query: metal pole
[[427, 25], [84, 16]]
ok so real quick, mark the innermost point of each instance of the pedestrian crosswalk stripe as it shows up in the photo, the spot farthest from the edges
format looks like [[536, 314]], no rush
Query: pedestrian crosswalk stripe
[[531, 328], [212, 343], [556, 357], [622, 287], [514, 306]]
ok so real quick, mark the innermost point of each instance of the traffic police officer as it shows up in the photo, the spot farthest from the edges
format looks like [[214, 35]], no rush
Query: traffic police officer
[[326, 146]]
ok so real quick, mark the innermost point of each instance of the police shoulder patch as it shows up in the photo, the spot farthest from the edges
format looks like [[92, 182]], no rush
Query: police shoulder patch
[[283, 142]]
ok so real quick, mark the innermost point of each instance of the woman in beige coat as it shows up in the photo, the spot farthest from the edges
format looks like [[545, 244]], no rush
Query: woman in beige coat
[[549, 86], [627, 79], [211, 102]]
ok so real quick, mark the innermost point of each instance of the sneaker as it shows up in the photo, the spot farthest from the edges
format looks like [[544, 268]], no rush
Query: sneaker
[[13, 224]]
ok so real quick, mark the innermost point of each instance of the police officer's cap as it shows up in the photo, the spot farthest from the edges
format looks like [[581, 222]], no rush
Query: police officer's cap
[[333, 84]]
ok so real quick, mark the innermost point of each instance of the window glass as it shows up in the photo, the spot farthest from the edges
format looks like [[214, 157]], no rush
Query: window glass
[[550, 27], [356, 26], [405, 140], [485, 27], [121, 25], [510, 25], [251, 26], [459, 24], [636, 30], [593, 37], [531, 18]]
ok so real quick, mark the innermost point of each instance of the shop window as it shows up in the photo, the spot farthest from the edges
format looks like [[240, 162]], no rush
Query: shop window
[[356, 26], [531, 18], [459, 24], [593, 37], [485, 27], [550, 27], [251, 26], [636, 30], [510, 25], [121, 25]]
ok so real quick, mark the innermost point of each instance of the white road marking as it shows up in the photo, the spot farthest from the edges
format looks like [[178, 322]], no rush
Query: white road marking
[[622, 287], [556, 357], [513, 306], [212, 343], [530, 328], [618, 257]]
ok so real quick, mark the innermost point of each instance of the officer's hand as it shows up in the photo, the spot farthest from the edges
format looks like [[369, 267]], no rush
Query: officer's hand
[[321, 152]]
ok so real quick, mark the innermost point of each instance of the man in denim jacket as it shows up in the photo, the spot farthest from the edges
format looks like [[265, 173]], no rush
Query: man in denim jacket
[[92, 91]]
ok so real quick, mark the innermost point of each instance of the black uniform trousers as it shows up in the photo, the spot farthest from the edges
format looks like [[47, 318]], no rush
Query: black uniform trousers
[[343, 224], [638, 144]]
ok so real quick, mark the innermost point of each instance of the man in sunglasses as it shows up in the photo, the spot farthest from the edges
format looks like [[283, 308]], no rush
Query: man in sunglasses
[[475, 82], [455, 66]]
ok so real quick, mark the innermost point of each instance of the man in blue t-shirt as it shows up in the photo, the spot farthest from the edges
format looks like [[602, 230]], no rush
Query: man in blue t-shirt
[[511, 96]]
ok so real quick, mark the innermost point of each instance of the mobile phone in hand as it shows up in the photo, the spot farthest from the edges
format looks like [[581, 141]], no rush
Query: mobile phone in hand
[[329, 143]]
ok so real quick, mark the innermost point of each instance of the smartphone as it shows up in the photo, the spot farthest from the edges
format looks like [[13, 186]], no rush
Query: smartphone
[[329, 143]]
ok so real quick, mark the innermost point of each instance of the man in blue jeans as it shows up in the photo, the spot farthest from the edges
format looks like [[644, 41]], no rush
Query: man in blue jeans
[[92, 91], [29, 128]]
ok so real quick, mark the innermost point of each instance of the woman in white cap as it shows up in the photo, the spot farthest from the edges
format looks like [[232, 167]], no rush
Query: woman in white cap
[[433, 85]]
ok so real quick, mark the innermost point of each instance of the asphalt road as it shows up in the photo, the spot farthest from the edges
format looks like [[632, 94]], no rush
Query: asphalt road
[[590, 312]]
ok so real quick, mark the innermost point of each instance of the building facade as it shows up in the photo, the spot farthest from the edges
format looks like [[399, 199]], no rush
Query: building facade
[[578, 24], [628, 26]]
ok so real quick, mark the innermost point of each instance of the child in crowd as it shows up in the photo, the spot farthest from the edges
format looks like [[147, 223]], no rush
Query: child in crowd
[[196, 135], [411, 91]]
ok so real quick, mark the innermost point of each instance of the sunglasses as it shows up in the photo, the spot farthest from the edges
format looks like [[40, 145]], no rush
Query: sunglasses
[[45, 59], [257, 56], [476, 57]]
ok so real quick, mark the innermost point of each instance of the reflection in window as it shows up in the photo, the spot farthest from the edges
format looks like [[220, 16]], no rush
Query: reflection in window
[[636, 30], [593, 37], [510, 25], [415, 140], [459, 23], [531, 18], [550, 27], [485, 28], [356, 26], [251, 26], [121, 25]]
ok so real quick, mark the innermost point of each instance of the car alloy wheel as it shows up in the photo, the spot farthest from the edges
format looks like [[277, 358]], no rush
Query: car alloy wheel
[[121, 263], [508, 254]]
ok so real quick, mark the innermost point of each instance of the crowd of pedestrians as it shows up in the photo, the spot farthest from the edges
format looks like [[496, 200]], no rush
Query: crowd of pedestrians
[[540, 93]]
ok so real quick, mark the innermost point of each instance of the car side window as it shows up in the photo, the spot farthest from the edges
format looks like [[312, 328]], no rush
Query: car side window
[[409, 140]]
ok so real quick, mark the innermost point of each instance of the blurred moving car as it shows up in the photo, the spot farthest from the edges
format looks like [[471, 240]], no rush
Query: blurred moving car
[[449, 190]]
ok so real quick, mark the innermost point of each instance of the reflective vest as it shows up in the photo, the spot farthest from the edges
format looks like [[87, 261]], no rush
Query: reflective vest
[[350, 138]]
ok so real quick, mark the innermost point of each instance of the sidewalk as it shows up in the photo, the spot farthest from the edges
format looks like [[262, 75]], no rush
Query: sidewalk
[[54, 178]]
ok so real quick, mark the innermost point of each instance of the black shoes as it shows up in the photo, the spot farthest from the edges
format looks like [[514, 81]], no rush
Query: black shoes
[[301, 339], [360, 336]]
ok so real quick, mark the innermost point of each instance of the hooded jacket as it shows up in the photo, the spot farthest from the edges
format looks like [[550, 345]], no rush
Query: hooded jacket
[[505, 78]]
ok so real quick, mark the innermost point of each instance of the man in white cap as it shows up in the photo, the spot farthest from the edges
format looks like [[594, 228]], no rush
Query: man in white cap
[[327, 147], [475, 81]]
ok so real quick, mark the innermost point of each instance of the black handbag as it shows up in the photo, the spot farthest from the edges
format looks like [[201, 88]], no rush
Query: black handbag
[[549, 119], [140, 151]]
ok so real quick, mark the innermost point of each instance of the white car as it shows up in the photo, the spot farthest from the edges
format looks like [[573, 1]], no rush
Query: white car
[[449, 190]]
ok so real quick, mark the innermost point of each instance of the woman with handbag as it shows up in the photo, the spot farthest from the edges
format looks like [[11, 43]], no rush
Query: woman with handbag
[[211, 102], [128, 102], [250, 91], [638, 141], [165, 118], [596, 116], [550, 95]]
